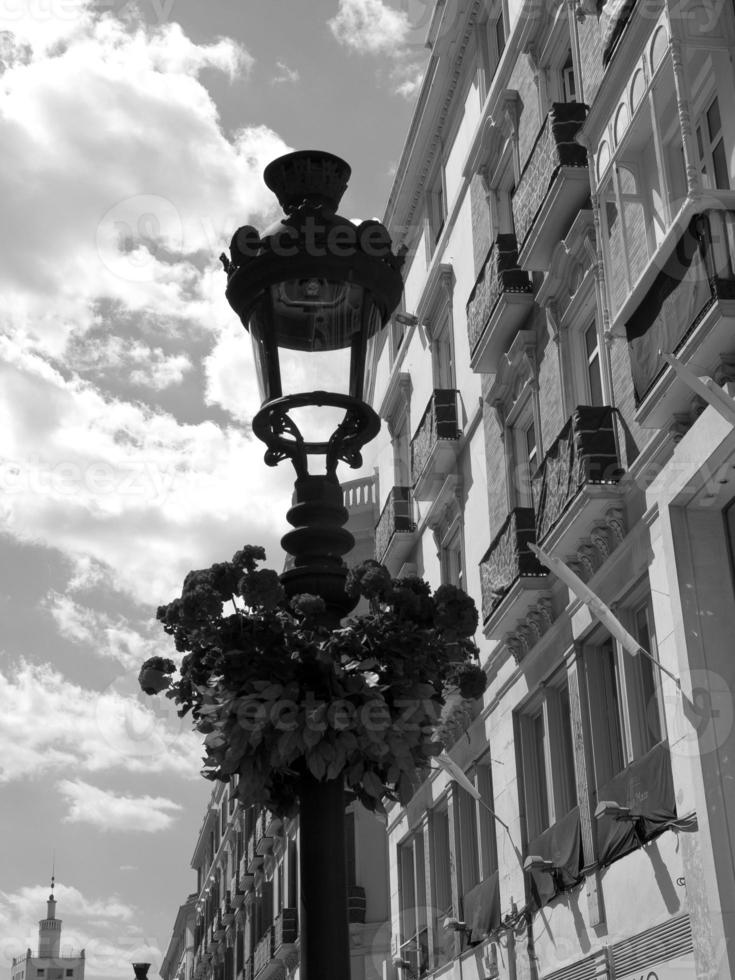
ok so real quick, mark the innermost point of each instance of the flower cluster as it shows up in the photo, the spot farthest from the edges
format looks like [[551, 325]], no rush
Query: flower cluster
[[276, 693]]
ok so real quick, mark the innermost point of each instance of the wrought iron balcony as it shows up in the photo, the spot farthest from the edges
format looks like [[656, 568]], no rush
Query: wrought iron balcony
[[578, 477], [263, 953], [553, 186], [285, 928], [255, 859], [356, 904], [688, 310], [434, 446], [395, 530], [509, 568], [499, 303]]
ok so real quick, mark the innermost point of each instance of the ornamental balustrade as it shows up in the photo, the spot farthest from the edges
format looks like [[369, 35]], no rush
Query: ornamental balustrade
[[255, 860], [263, 953], [500, 274], [285, 928], [508, 558], [439, 422], [396, 517], [584, 453], [555, 147]]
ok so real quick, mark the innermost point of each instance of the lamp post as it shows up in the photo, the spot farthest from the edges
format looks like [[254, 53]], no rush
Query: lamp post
[[311, 284]]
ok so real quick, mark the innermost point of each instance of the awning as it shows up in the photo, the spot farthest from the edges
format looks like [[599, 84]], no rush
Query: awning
[[562, 845], [481, 908], [619, 12], [647, 788]]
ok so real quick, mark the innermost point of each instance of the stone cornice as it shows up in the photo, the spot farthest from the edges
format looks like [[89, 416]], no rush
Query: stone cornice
[[425, 135]]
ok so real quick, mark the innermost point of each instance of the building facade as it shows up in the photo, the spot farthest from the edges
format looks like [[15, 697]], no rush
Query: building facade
[[52, 961], [178, 963], [564, 196], [244, 913]]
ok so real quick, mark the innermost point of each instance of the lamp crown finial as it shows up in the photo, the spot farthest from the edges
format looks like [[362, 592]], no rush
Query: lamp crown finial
[[311, 175]]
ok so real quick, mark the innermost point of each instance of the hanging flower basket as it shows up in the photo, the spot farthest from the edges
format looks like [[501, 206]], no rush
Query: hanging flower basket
[[155, 674], [276, 693]]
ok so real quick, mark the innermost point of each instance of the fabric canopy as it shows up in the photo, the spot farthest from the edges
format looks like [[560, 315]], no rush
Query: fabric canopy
[[562, 845], [647, 788], [482, 908], [619, 13]]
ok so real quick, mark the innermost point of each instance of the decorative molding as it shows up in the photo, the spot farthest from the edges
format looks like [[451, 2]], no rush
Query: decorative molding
[[428, 153], [396, 399], [436, 298]]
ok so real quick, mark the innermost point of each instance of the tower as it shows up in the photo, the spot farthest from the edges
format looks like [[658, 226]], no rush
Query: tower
[[49, 963]]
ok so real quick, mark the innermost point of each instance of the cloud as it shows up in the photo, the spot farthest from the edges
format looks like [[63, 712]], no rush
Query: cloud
[[285, 74], [107, 636], [101, 477], [109, 811], [371, 27], [103, 926], [163, 185], [49, 722]]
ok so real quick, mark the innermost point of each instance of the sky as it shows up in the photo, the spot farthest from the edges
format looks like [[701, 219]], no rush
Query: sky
[[133, 137]]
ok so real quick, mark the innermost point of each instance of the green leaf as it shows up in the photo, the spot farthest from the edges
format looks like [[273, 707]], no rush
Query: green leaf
[[317, 765]]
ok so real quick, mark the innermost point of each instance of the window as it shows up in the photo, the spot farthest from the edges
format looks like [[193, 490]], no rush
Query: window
[[526, 461], [451, 557], [69, 973], [442, 356], [650, 729], [414, 943], [568, 85], [625, 710], [436, 209], [547, 757], [711, 148], [441, 874], [492, 45], [593, 373]]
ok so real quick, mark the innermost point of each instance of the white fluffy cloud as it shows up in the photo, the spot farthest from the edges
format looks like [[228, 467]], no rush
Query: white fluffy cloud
[[62, 724], [372, 27], [110, 811], [284, 74], [140, 493], [107, 636], [117, 179]]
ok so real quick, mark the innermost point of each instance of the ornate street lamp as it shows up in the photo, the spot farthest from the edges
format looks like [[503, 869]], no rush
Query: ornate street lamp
[[311, 284]]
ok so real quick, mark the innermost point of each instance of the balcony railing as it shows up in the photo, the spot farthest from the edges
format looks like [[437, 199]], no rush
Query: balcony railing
[[553, 186], [285, 928], [509, 559], [255, 860], [699, 273], [356, 904], [583, 454], [263, 952], [433, 447], [498, 304], [395, 523]]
